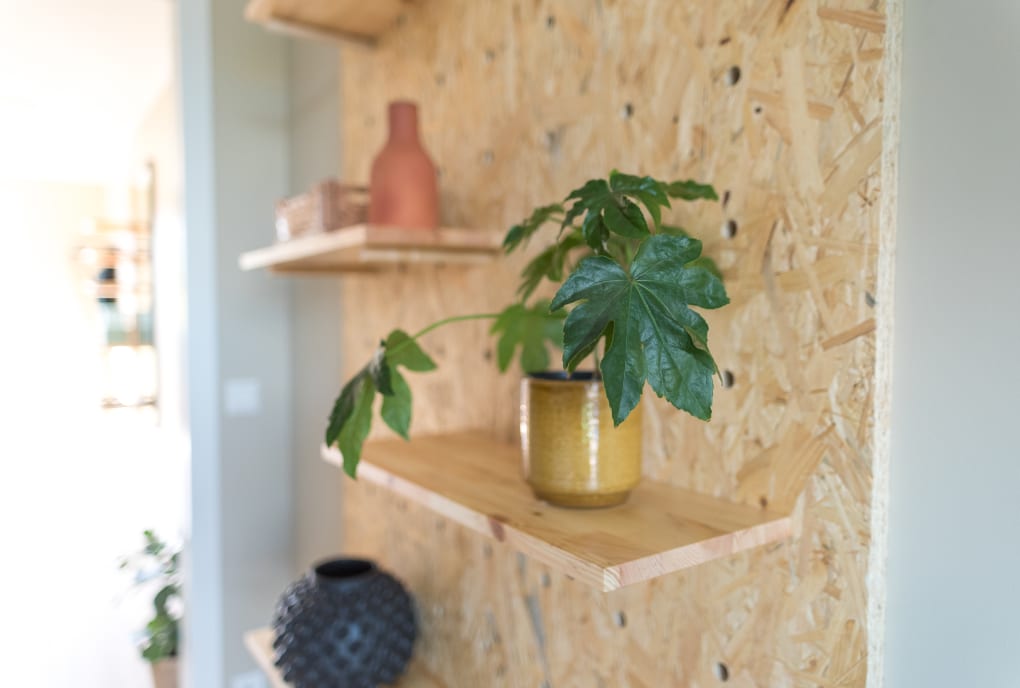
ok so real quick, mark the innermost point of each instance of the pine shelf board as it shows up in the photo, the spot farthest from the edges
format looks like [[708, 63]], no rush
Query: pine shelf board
[[371, 247], [260, 646], [356, 20], [477, 482]]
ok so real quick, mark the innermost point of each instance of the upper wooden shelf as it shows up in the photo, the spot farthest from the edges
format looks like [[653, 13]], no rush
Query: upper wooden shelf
[[477, 482], [367, 247], [360, 20]]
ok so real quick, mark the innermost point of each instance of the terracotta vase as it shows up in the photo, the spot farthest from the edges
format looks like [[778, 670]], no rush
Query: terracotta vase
[[404, 192]]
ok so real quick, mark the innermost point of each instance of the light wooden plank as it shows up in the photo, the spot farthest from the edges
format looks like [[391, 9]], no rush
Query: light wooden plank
[[260, 645], [345, 19], [477, 482], [365, 247]]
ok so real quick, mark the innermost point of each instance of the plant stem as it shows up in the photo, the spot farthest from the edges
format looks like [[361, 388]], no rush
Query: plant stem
[[440, 323], [456, 318]]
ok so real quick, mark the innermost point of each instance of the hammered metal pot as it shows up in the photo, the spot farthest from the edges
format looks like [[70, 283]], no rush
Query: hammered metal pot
[[573, 455], [347, 624]]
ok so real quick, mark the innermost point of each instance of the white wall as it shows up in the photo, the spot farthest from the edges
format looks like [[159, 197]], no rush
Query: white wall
[[77, 486], [315, 339], [235, 117], [953, 609]]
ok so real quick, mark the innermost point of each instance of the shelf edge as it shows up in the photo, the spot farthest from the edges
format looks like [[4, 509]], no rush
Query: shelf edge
[[604, 578]]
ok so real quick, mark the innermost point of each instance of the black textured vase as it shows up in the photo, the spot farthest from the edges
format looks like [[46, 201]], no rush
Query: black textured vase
[[345, 625]]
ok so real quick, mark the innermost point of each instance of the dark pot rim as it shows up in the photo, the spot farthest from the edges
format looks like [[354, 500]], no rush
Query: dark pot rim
[[343, 571], [563, 376]]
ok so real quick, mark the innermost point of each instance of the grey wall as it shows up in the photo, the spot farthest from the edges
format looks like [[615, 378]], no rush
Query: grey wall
[[953, 608], [236, 140], [315, 338]]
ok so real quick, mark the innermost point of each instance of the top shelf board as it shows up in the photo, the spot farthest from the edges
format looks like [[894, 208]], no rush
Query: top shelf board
[[477, 482], [370, 247], [357, 20]]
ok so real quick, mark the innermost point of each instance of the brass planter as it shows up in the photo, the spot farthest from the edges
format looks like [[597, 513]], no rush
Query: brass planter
[[573, 456]]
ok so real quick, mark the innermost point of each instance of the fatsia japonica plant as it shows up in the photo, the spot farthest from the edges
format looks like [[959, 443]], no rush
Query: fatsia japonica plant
[[628, 284]]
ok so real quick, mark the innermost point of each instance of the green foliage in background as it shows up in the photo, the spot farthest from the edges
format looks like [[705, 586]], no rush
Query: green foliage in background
[[157, 566]]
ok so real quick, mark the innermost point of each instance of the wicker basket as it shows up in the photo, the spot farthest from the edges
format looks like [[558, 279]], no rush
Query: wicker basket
[[329, 205]]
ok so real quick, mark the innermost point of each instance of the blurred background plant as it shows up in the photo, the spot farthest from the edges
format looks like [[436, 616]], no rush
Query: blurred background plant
[[157, 567]]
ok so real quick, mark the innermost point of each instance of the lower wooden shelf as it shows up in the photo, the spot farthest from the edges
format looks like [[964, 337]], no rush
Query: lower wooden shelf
[[477, 482], [260, 645]]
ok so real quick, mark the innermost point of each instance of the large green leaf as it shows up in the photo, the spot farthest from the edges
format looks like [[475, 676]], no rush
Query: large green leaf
[[527, 329], [520, 233], [343, 407], [379, 369], [401, 350], [649, 191], [396, 408], [607, 209], [351, 419], [703, 261], [691, 190], [548, 264], [655, 336], [355, 429]]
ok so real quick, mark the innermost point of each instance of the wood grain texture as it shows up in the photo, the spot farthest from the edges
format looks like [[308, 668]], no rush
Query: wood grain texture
[[368, 247], [521, 102], [477, 483]]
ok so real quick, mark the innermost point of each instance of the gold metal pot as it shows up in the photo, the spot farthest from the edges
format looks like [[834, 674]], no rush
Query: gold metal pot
[[573, 456]]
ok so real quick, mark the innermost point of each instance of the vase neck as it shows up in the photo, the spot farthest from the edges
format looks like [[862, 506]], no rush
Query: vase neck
[[343, 573], [403, 119]]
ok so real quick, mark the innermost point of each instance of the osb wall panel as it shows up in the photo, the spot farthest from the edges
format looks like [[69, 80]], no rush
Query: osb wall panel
[[521, 102]]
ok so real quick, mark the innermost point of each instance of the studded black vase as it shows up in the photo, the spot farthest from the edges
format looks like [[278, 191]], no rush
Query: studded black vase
[[344, 625]]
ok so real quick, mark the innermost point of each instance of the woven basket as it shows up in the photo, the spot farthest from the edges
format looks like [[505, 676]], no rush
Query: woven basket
[[329, 205]]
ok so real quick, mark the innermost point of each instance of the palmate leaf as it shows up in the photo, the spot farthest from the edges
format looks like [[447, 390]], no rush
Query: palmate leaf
[[401, 350], [520, 233], [396, 408], [606, 210], [646, 189], [351, 418], [655, 336], [548, 264], [611, 207], [527, 329], [702, 261], [691, 190]]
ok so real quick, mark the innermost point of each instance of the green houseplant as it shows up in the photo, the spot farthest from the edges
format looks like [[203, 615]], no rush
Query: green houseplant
[[626, 286], [157, 567]]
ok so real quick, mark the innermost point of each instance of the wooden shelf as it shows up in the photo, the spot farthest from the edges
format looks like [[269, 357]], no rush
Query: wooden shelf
[[477, 482], [370, 247], [358, 20], [260, 645]]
